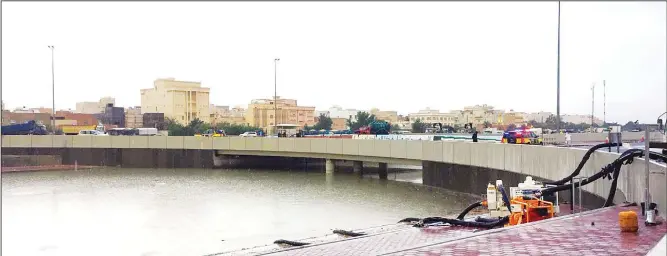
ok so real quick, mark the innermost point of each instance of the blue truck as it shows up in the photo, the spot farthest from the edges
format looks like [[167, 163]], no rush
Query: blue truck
[[28, 128]]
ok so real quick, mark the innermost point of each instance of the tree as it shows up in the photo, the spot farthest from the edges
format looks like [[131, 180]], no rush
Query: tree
[[324, 122], [363, 119], [487, 124], [418, 126]]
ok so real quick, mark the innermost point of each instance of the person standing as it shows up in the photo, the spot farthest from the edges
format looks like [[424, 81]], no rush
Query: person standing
[[568, 139], [474, 136]]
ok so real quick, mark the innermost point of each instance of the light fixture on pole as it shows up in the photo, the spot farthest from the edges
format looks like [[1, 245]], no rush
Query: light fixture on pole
[[275, 94], [53, 92]]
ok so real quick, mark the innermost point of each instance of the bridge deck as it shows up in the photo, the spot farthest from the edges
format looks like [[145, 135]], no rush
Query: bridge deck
[[591, 233]]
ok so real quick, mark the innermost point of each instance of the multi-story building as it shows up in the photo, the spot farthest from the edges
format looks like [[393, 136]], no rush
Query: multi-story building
[[511, 117], [182, 101], [578, 119], [480, 114], [262, 113], [154, 120], [78, 118], [432, 116], [389, 116], [539, 117], [88, 107], [338, 112], [112, 116], [134, 118], [225, 114]]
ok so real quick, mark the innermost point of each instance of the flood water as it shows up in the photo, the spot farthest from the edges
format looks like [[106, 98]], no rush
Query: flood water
[[196, 211]]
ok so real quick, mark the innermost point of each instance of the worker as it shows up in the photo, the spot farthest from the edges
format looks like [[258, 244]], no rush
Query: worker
[[568, 139], [474, 136]]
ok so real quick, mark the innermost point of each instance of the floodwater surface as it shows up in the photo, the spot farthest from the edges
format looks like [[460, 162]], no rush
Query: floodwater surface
[[198, 211]]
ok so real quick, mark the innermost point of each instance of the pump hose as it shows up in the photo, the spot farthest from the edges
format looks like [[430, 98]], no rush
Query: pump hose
[[455, 222], [288, 242], [347, 233], [582, 163], [470, 208]]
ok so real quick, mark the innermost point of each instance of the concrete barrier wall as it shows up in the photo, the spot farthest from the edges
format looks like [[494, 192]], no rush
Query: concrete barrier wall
[[545, 162], [587, 138]]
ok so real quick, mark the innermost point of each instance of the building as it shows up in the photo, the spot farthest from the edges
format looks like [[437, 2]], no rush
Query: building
[[339, 124], [134, 118], [480, 114], [338, 112], [260, 113], [88, 107], [515, 118], [540, 117], [432, 116], [154, 120], [389, 116], [112, 116], [67, 117], [182, 101], [19, 118], [578, 119], [225, 114]]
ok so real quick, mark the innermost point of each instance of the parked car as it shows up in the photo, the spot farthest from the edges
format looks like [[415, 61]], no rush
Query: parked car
[[248, 134], [92, 133]]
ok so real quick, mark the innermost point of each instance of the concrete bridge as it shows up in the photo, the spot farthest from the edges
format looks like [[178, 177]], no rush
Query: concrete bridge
[[457, 165]]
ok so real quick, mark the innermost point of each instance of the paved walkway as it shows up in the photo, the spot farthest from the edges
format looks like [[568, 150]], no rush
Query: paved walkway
[[35, 168], [591, 233]]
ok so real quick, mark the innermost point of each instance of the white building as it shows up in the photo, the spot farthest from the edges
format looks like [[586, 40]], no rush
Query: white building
[[338, 112], [431, 116]]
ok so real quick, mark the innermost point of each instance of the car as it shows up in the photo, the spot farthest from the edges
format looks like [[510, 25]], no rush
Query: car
[[92, 133], [249, 134]]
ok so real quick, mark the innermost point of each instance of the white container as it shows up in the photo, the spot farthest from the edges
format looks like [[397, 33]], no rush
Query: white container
[[491, 197]]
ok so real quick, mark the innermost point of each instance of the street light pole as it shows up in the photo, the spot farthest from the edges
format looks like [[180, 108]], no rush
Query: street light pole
[[53, 92], [558, 76], [275, 94], [592, 105]]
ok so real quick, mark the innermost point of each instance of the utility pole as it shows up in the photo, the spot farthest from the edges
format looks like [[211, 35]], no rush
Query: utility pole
[[53, 92], [558, 77], [604, 99], [592, 105], [275, 94]]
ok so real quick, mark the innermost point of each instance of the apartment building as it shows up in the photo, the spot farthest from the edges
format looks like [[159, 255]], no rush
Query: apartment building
[[94, 107], [338, 112], [225, 114], [389, 116], [262, 113], [182, 101], [134, 118], [432, 116]]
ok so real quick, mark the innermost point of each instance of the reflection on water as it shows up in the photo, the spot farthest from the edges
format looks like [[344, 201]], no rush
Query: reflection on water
[[195, 212]]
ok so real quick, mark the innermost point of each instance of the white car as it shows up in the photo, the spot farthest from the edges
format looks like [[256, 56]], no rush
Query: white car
[[92, 133], [248, 134]]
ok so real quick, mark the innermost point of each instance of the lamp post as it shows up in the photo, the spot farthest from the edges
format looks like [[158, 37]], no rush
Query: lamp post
[[275, 94], [53, 92], [558, 76]]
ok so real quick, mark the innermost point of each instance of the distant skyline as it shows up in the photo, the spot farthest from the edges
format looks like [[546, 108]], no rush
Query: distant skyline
[[391, 55]]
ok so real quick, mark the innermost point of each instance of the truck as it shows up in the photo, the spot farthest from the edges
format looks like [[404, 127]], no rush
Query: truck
[[375, 128], [28, 128], [75, 129]]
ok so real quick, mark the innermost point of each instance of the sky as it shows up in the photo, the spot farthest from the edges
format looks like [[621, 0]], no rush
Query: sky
[[391, 55]]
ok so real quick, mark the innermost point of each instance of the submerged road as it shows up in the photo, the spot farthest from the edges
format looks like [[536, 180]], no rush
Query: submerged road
[[198, 211]]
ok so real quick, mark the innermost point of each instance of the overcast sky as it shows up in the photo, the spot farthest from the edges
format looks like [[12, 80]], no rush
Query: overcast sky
[[391, 55]]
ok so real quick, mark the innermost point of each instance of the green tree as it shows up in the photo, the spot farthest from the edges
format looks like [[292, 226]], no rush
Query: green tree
[[324, 122], [363, 119], [418, 126]]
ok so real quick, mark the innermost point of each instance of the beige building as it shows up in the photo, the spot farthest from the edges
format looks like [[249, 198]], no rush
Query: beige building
[[389, 116], [432, 116], [182, 101], [88, 107], [225, 114], [261, 113], [134, 118]]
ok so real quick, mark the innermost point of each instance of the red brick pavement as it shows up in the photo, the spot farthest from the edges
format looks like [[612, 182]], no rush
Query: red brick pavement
[[567, 235]]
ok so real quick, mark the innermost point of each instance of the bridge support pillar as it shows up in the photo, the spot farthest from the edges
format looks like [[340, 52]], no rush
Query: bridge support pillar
[[358, 167], [382, 171], [218, 160], [330, 166]]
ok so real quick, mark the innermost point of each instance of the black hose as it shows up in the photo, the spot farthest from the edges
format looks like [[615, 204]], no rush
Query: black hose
[[582, 163], [347, 233], [409, 219], [456, 222], [466, 210], [506, 198], [482, 219], [292, 243]]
